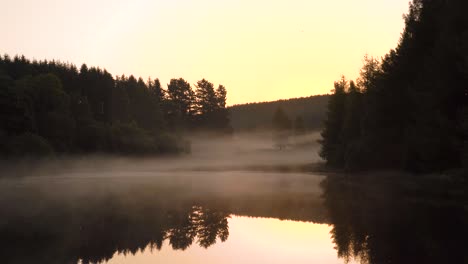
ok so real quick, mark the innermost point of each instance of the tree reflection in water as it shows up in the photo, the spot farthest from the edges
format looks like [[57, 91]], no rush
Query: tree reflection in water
[[94, 232], [387, 220], [375, 219], [89, 220], [205, 224]]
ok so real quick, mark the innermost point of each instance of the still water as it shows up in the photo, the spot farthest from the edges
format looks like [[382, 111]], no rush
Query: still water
[[251, 240], [235, 216], [165, 217]]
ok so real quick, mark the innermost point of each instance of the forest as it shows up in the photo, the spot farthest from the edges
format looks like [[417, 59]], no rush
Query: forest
[[408, 110], [50, 107], [310, 111]]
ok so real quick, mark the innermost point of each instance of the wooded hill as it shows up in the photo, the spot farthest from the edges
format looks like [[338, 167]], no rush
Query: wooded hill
[[257, 116]]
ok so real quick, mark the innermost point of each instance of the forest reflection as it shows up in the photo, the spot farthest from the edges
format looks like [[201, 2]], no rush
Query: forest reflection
[[385, 220], [64, 223], [87, 220], [94, 235]]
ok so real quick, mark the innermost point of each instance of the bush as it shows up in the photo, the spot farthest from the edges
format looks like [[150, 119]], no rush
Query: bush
[[92, 136], [128, 138]]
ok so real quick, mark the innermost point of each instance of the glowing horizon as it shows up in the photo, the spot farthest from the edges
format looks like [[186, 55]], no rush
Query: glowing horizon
[[260, 50]]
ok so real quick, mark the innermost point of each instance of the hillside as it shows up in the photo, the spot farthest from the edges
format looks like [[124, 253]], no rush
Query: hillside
[[253, 116]]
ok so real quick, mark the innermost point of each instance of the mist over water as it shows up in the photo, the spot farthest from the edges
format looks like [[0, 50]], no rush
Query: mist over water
[[232, 165], [240, 166], [210, 204], [239, 152], [188, 198]]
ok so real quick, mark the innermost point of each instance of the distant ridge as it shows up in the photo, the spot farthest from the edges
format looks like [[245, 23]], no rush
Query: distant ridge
[[255, 116]]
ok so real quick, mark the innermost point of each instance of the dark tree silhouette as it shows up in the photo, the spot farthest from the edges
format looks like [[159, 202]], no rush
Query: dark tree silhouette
[[210, 107], [51, 107], [332, 142], [412, 106], [180, 109]]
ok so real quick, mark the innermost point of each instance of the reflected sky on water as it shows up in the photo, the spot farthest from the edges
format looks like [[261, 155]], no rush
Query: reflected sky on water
[[251, 240]]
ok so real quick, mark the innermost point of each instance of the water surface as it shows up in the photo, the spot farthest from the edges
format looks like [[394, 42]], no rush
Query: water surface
[[251, 240], [225, 205]]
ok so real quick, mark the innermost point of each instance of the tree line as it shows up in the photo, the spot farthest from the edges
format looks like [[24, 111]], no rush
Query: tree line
[[51, 107], [408, 110], [258, 116]]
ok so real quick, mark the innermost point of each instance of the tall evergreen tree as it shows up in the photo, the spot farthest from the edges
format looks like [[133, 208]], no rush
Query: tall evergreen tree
[[206, 103], [332, 142], [156, 90], [351, 131], [222, 115], [180, 109]]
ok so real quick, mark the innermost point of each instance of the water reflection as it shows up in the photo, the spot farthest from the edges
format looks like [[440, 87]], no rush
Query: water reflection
[[94, 234], [89, 221], [252, 240], [205, 224], [391, 221], [92, 220]]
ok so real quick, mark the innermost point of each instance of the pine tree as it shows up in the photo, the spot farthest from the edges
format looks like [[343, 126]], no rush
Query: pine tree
[[206, 102], [180, 109], [222, 113], [332, 142]]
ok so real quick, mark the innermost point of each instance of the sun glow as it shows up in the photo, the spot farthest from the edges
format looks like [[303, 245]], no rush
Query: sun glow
[[260, 50]]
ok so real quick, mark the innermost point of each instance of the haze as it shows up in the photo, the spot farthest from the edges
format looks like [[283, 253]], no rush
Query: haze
[[260, 50], [237, 175]]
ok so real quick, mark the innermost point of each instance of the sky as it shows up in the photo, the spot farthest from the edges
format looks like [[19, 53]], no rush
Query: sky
[[261, 50]]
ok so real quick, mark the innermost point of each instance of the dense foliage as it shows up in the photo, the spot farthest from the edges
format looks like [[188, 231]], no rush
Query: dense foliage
[[311, 111], [409, 110], [50, 107]]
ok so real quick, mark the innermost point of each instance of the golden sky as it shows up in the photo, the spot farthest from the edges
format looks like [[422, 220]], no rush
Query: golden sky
[[260, 50]]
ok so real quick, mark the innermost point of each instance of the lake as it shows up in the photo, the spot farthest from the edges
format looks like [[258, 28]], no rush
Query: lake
[[83, 218], [208, 209]]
